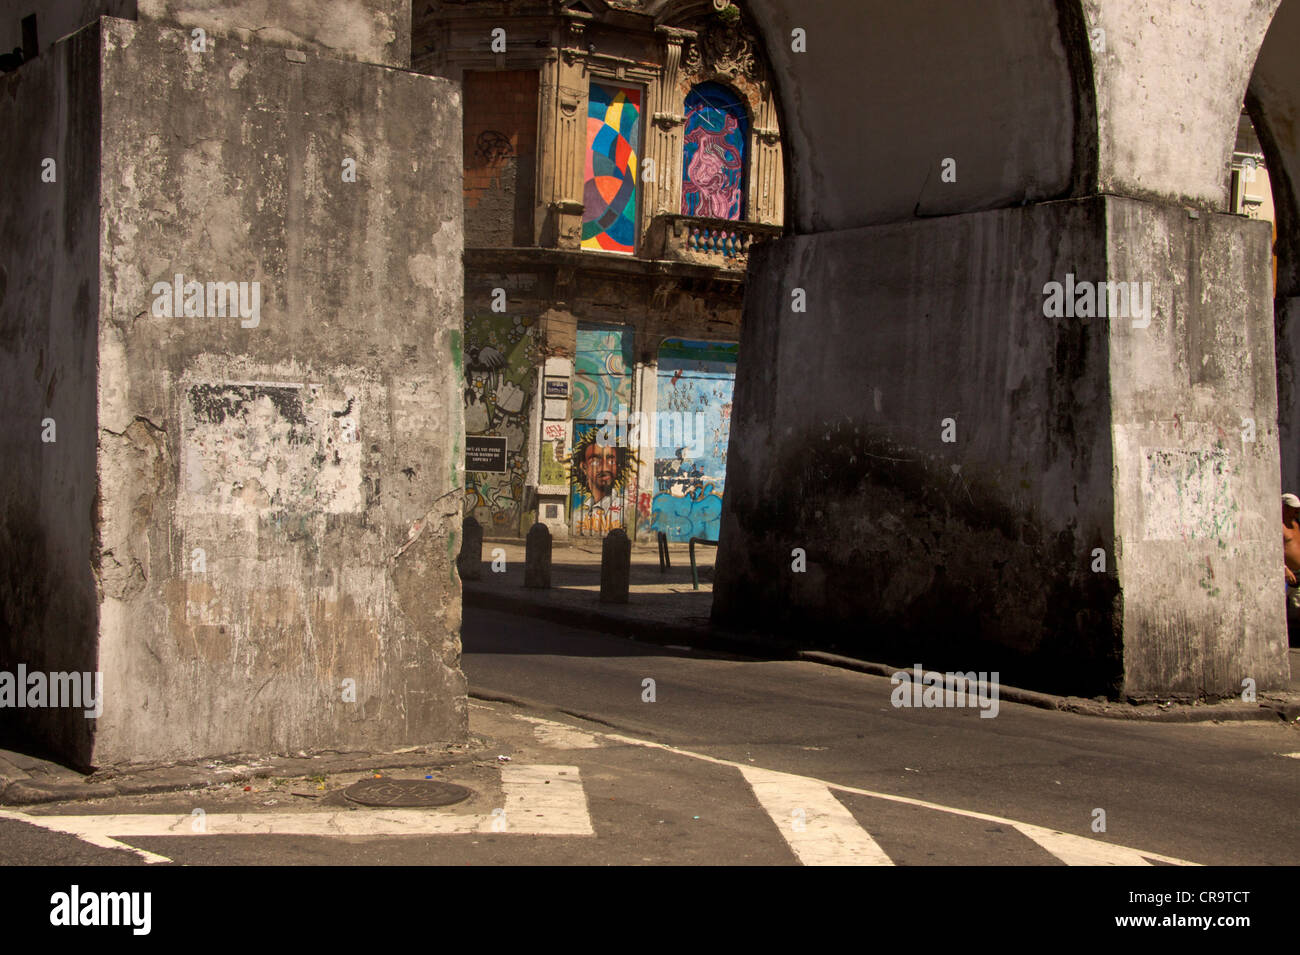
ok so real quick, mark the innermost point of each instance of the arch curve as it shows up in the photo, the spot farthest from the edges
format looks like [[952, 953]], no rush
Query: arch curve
[[1004, 89]]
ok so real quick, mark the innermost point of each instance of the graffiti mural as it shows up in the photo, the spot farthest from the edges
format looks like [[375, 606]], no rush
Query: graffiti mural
[[696, 380], [609, 195], [602, 371], [713, 166], [601, 478], [602, 385], [697, 513], [501, 356]]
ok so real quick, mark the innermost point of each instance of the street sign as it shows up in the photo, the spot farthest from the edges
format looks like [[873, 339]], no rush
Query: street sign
[[485, 453]]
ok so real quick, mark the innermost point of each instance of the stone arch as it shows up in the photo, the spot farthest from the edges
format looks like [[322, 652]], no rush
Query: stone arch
[[1273, 102], [1170, 84], [1006, 90]]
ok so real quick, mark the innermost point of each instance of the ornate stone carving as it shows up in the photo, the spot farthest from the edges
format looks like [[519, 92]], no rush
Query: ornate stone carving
[[572, 50], [724, 47]]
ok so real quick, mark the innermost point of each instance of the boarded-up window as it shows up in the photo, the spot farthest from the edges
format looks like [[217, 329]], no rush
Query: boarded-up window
[[500, 157]]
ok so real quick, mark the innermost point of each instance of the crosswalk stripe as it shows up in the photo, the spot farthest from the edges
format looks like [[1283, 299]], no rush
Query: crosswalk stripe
[[548, 799], [816, 825], [906, 800], [1076, 850], [540, 800], [89, 836]]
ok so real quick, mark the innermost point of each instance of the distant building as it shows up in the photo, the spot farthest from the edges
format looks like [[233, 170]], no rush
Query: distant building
[[620, 161], [1250, 190]]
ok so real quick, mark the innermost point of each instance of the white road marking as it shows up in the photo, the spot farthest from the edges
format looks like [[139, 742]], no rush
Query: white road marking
[[1291, 755], [539, 801], [817, 826], [560, 735], [545, 801], [92, 837], [1078, 850], [907, 800]]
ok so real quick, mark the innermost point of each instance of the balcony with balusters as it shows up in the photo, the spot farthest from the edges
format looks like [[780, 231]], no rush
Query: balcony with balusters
[[720, 243]]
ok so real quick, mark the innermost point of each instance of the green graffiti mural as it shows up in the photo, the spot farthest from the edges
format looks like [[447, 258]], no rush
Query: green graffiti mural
[[501, 358]]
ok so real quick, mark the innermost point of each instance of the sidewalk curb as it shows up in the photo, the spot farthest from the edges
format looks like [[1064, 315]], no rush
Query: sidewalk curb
[[754, 646], [1268, 710], [150, 780]]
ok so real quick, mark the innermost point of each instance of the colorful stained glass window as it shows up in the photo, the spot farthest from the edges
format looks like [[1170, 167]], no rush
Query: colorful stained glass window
[[713, 167], [609, 196]]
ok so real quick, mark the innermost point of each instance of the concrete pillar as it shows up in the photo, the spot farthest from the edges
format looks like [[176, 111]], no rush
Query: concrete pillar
[[470, 560], [977, 483], [615, 567], [537, 550], [258, 474]]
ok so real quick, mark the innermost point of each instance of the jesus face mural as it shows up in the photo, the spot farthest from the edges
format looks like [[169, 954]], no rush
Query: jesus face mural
[[599, 469], [600, 472]]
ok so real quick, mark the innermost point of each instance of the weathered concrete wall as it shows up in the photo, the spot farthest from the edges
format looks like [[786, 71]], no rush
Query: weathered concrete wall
[[1076, 438], [1170, 83], [49, 307], [373, 31], [1196, 458], [279, 496], [974, 553]]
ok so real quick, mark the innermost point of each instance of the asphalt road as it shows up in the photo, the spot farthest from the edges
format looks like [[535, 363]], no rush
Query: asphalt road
[[734, 762], [1211, 793]]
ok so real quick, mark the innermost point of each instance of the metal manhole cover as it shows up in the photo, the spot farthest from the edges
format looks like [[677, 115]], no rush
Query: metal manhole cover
[[406, 792]]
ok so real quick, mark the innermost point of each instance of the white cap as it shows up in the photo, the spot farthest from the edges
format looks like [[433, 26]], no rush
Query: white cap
[[1290, 500]]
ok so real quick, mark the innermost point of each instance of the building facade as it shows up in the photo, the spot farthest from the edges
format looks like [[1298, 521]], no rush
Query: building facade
[[619, 167]]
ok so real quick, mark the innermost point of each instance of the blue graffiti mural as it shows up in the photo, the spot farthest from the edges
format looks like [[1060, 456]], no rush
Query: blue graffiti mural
[[697, 514], [696, 381]]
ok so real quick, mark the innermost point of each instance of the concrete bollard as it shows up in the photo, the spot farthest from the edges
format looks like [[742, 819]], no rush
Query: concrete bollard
[[470, 560], [615, 567], [537, 557]]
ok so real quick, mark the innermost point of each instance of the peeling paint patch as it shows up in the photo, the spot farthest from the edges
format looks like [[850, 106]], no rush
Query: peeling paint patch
[[270, 447], [1188, 495]]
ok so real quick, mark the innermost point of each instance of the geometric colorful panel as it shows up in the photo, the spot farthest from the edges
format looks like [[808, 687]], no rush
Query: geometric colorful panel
[[609, 195], [713, 166]]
